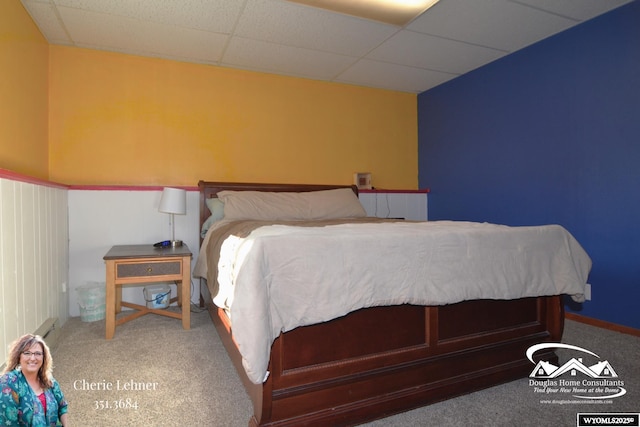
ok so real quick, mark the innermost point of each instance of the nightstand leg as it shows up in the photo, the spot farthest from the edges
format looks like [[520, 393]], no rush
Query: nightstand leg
[[110, 300], [118, 294], [185, 291]]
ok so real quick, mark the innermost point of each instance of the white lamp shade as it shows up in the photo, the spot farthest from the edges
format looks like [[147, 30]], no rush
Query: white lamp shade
[[173, 201]]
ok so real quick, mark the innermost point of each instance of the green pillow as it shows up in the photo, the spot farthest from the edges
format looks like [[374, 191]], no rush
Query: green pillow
[[216, 207]]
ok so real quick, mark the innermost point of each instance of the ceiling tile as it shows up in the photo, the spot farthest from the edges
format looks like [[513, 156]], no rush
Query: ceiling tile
[[392, 76], [434, 53], [45, 17], [499, 24], [208, 15], [303, 26], [254, 54], [576, 9], [109, 32]]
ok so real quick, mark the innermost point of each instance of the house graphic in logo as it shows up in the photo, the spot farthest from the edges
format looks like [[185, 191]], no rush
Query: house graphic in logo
[[548, 370]]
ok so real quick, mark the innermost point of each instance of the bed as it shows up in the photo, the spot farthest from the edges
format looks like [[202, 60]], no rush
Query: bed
[[380, 359]]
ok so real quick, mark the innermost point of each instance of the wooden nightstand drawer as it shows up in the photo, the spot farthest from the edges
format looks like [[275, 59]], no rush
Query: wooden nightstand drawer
[[148, 269]]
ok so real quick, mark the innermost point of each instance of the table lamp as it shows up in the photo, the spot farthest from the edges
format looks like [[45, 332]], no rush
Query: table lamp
[[173, 201]]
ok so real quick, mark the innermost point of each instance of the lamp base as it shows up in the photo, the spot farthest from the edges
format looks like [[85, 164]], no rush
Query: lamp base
[[176, 243]]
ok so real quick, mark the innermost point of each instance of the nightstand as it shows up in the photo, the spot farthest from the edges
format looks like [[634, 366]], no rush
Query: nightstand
[[140, 264]]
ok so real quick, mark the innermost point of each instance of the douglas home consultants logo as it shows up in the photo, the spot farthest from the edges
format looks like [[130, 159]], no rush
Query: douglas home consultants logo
[[575, 379]]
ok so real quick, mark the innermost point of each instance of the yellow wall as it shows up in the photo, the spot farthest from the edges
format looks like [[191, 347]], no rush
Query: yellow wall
[[24, 66], [120, 119]]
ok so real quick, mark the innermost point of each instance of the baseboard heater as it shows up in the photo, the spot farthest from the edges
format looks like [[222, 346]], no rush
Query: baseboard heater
[[50, 332]]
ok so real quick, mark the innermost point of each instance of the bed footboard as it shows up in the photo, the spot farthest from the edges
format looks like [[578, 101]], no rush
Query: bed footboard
[[379, 361]]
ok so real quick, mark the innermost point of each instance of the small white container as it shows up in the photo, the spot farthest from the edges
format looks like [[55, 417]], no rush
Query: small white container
[[157, 296], [92, 301]]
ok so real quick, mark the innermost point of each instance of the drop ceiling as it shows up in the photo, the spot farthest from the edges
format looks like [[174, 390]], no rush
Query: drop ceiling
[[281, 37]]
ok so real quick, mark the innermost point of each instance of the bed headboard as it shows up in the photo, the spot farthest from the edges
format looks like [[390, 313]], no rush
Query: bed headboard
[[209, 189]]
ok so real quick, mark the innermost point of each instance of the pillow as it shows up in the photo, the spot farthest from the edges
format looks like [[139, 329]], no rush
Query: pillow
[[338, 203], [272, 206], [216, 207]]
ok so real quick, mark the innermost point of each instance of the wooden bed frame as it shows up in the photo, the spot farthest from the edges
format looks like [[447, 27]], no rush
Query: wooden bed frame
[[376, 362]]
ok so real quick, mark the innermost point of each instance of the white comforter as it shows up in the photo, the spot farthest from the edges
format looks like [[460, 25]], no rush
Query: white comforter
[[282, 277]]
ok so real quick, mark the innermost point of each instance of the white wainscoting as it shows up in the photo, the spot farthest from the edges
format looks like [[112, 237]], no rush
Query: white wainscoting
[[410, 205], [100, 219], [33, 258]]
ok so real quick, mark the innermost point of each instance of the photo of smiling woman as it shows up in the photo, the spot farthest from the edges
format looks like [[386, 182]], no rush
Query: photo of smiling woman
[[29, 395]]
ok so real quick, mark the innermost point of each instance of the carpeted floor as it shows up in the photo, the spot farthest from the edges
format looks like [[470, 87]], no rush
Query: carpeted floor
[[154, 373]]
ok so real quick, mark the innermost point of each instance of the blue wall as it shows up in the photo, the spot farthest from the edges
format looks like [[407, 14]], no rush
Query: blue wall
[[550, 134]]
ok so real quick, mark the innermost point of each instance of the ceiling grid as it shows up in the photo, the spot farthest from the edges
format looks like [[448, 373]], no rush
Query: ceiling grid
[[283, 37]]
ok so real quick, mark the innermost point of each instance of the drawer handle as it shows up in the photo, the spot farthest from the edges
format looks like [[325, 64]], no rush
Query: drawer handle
[[149, 269]]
